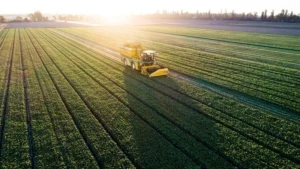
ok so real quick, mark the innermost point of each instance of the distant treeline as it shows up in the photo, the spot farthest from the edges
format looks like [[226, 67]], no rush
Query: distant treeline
[[284, 16], [37, 16]]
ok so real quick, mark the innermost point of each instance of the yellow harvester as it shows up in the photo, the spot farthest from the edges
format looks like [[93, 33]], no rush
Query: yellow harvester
[[137, 57]]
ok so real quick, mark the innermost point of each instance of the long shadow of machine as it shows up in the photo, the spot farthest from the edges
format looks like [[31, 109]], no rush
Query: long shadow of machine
[[167, 120]]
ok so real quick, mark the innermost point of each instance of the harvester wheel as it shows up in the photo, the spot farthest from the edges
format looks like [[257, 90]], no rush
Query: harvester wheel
[[125, 62], [133, 65]]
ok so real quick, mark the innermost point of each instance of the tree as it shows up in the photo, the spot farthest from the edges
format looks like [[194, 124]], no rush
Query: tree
[[266, 15], [291, 17], [262, 17], [250, 16], [272, 16], [209, 15], [281, 16], [243, 16], [255, 15], [19, 19], [64, 18], [2, 19], [36, 16], [286, 16], [233, 15]]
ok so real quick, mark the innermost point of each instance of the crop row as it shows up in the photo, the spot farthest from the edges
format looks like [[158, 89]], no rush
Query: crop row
[[47, 151], [26, 101], [197, 54], [14, 138], [98, 141], [255, 39], [262, 85], [142, 143], [265, 55], [232, 81], [174, 135], [115, 89], [263, 78], [190, 50], [255, 79], [258, 70], [269, 57], [4, 63], [181, 45], [177, 108], [258, 119], [192, 53]]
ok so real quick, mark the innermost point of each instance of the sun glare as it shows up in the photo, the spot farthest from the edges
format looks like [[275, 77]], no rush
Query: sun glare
[[114, 19], [112, 9]]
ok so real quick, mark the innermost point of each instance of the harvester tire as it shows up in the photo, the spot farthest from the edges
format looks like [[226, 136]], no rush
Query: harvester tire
[[125, 62], [132, 66]]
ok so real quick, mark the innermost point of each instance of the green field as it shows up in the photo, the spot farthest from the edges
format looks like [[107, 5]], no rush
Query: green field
[[67, 106]]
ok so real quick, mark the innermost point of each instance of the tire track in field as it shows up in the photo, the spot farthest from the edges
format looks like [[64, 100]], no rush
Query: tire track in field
[[6, 97], [223, 91], [246, 136], [27, 106], [66, 105]]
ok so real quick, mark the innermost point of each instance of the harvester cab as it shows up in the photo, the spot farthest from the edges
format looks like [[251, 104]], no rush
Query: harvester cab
[[148, 56], [137, 57]]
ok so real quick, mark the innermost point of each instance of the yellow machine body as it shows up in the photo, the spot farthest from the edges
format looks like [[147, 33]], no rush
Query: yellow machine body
[[137, 57]]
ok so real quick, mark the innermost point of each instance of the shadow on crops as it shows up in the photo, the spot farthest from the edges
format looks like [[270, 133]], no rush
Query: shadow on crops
[[167, 123]]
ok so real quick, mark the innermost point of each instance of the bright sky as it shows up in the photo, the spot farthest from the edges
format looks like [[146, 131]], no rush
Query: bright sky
[[121, 7]]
